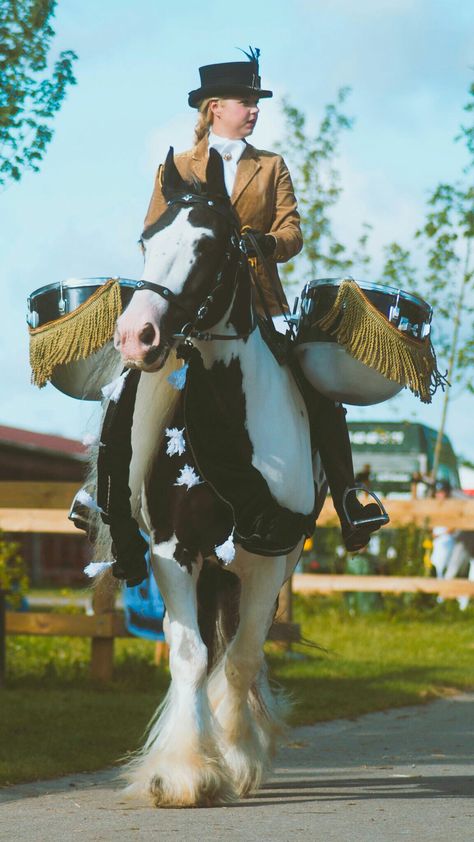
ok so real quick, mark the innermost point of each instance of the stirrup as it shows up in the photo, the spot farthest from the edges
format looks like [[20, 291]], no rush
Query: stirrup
[[377, 521], [82, 506]]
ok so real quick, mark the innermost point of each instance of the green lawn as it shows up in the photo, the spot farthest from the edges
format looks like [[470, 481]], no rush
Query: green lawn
[[54, 720]]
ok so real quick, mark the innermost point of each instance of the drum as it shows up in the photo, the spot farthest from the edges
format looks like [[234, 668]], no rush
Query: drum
[[82, 379], [328, 366]]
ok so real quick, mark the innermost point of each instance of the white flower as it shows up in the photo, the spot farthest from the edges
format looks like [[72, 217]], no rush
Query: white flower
[[176, 443], [96, 567], [90, 439], [85, 498], [114, 389], [188, 477], [226, 551], [177, 378]]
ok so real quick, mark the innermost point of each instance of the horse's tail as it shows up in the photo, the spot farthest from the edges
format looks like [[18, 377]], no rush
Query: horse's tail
[[218, 594]]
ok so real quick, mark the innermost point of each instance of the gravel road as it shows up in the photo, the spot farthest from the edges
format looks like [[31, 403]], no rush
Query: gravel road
[[402, 774]]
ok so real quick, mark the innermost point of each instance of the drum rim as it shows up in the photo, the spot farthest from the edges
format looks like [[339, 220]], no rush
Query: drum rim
[[373, 287], [77, 283]]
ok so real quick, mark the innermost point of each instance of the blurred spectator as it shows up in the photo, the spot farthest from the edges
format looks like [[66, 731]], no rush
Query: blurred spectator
[[363, 477], [453, 550], [421, 485]]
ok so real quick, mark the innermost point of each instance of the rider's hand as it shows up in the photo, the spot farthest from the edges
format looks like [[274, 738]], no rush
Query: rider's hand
[[265, 242]]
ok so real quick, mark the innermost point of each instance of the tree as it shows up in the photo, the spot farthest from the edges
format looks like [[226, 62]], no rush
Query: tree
[[317, 187], [446, 275], [31, 93]]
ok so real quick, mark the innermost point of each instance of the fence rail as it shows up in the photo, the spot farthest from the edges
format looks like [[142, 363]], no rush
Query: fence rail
[[42, 507], [308, 583]]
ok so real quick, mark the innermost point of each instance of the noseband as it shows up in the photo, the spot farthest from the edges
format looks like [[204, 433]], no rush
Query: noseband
[[190, 329]]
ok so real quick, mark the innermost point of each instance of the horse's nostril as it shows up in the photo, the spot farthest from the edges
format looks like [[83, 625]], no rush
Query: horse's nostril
[[147, 335]]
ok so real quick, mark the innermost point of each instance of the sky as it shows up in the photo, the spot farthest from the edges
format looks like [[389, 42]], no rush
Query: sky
[[409, 64]]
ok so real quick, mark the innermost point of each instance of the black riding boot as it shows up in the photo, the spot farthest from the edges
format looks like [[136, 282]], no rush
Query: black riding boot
[[330, 436]]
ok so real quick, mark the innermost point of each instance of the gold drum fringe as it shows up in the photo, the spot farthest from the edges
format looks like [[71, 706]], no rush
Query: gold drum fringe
[[368, 336], [76, 335]]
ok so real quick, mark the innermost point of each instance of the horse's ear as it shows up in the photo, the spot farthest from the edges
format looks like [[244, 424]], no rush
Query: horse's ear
[[172, 181], [215, 175]]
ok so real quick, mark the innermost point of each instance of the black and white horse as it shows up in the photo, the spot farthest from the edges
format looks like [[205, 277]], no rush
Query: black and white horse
[[213, 737]]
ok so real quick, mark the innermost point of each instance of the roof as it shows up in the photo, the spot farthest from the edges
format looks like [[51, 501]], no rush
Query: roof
[[30, 440]]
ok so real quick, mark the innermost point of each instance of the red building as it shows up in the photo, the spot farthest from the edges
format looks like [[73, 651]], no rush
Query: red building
[[36, 457]]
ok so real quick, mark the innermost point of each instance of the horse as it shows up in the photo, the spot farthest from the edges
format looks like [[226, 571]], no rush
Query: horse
[[213, 738]]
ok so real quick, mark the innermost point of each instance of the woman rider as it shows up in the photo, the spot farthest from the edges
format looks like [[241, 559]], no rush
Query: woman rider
[[261, 192]]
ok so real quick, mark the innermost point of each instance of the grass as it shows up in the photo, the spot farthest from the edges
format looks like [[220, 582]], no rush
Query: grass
[[376, 661], [55, 721]]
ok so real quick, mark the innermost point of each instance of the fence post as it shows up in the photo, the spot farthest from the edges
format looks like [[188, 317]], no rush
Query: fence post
[[102, 648], [3, 637]]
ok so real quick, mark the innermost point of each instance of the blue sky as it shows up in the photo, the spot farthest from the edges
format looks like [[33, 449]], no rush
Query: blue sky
[[409, 63]]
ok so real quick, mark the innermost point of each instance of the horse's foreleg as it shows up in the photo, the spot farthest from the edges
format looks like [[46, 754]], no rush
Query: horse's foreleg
[[241, 697], [180, 764]]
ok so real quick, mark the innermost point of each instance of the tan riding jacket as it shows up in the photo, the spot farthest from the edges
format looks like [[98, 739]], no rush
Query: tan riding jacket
[[262, 197]]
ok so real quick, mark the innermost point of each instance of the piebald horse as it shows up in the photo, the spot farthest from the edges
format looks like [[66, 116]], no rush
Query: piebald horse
[[212, 739]]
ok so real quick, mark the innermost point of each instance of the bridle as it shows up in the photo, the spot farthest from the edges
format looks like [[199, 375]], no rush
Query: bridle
[[234, 252]]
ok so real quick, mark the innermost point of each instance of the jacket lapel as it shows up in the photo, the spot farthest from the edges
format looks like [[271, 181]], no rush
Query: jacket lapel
[[247, 167]]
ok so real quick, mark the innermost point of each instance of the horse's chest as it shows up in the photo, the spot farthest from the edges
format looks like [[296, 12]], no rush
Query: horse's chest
[[269, 411]]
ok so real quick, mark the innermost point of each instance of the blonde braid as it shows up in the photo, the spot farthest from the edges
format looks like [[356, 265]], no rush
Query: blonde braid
[[204, 121]]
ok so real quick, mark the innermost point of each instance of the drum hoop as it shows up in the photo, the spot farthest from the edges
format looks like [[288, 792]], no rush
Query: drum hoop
[[79, 283], [372, 286]]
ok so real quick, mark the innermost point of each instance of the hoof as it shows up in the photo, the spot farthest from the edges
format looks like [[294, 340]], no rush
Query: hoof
[[205, 790]]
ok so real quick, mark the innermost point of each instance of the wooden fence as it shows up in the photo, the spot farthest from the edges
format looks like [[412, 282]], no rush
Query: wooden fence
[[42, 507]]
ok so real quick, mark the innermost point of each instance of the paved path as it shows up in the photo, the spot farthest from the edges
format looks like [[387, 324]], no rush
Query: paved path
[[404, 774]]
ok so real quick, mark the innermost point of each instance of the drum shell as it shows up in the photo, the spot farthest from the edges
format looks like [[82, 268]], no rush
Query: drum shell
[[85, 379], [342, 378], [331, 369], [81, 379]]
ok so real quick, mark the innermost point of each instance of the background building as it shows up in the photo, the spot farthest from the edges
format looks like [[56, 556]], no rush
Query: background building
[[395, 451], [27, 456]]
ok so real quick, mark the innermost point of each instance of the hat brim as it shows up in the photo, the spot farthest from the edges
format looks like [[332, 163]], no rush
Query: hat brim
[[231, 91]]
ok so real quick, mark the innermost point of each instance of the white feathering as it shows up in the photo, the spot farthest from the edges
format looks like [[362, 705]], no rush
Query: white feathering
[[176, 443], [188, 477]]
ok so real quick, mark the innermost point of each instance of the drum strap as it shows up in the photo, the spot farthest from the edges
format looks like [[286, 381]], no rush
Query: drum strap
[[263, 260], [279, 344]]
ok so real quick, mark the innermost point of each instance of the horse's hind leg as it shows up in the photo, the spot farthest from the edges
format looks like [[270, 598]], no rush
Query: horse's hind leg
[[240, 695], [181, 764]]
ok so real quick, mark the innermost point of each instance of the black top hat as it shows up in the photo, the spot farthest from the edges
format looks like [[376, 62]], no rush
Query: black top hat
[[234, 79]]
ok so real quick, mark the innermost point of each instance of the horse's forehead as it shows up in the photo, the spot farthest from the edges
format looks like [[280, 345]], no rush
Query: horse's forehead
[[180, 232], [172, 250]]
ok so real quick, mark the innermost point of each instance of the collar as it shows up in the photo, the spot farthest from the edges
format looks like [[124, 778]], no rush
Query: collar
[[201, 150], [224, 145]]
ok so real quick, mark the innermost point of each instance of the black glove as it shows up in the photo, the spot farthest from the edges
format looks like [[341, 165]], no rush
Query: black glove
[[265, 242]]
